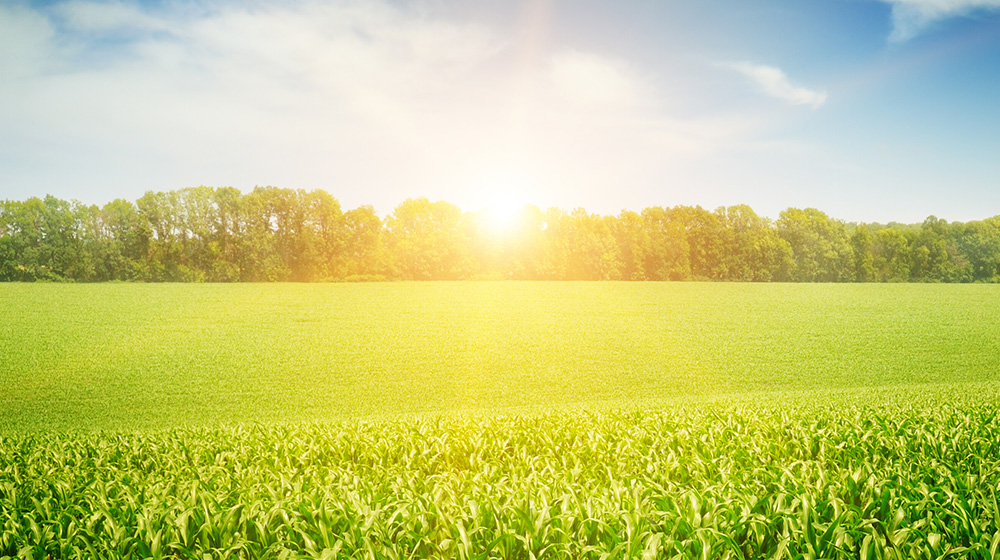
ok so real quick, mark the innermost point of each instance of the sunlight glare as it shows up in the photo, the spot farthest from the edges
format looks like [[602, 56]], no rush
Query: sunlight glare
[[502, 201], [502, 212]]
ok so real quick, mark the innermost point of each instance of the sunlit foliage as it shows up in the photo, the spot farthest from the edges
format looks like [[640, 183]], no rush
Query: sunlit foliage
[[222, 235], [907, 477]]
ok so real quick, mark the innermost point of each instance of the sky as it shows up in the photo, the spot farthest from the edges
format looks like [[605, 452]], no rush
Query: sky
[[869, 110]]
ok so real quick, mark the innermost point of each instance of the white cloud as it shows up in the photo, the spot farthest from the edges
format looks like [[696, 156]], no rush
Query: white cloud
[[301, 94], [24, 39], [775, 83], [106, 17], [373, 100], [911, 17], [591, 81]]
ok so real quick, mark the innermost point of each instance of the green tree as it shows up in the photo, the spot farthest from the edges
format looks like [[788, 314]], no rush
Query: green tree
[[979, 242], [323, 236], [167, 258], [863, 249], [705, 237], [667, 257], [820, 246], [891, 256], [44, 239], [365, 254], [591, 250], [935, 256], [753, 249], [259, 257], [225, 243], [122, 237], [293, 235], [633, 244], [427, 241]]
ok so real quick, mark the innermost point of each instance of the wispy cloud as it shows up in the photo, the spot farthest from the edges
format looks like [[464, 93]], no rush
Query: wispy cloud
[[373, 99], [911, 17], [106, 17], [773, 82], [593, 81]]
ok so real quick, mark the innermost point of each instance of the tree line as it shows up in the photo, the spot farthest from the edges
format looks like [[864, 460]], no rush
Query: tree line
[[206, 234]]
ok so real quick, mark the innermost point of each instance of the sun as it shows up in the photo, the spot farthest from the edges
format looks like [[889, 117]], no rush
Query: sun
[[502, 202], [502, 211]]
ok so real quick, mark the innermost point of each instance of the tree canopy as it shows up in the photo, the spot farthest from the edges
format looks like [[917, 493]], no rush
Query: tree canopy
[[206, 234]]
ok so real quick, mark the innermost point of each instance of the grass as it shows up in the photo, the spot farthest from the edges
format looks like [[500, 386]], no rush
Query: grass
[[499, 420], [137, 356]]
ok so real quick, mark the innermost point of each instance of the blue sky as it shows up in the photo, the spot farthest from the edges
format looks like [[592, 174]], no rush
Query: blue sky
[[870, 110]]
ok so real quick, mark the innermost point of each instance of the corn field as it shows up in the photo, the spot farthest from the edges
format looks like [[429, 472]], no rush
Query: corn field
[[714, 480]]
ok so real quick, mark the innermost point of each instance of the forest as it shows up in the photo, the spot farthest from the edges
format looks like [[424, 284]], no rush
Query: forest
[[208, 234]]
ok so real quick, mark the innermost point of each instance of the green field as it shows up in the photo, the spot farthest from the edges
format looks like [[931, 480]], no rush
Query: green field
[[499, 420], [110, 356]]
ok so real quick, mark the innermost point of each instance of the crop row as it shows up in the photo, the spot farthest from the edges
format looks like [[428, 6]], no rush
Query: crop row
[[694, 481]]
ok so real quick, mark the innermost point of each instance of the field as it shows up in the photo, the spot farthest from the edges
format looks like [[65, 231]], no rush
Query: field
[[499, 420], [109, 356]]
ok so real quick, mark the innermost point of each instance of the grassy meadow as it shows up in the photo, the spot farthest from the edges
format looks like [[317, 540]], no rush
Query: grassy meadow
[[109, 356], [499, 420]]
